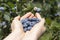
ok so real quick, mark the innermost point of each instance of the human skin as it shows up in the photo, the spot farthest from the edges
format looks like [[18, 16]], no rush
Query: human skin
[[18, 32]]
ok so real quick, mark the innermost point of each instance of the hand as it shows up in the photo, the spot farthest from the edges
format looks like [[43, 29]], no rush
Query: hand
[[17, 27], [37, 30], [16, 23]]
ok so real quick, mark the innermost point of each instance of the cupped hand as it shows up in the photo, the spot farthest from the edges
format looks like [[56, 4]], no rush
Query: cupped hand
[[37, 30]]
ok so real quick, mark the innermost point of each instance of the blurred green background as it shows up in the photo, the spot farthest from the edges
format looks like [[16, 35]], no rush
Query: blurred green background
[[50, 10]]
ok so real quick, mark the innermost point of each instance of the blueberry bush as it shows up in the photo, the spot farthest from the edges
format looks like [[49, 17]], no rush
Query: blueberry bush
[[49, 9]]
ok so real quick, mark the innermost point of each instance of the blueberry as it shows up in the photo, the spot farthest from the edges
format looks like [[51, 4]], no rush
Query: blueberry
[[57, 14], [25, 25], [3, 23], [28, 23], [29, 28], [37, 21], [31, 24], [32, 19], [23, 21], [29, 19], [1, 8], [25, 29], [14, 8], [38, 10]]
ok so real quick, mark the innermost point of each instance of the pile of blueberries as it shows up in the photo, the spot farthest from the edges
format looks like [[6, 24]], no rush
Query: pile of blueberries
[[28, 23]]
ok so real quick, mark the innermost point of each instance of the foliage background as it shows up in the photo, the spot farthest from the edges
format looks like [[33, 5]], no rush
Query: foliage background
[[50, 10]]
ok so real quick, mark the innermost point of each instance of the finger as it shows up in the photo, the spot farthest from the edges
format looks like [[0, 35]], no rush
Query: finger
[[34, 17], [17, 25], [31, 16], [26, 15], [38, 27], [38, 16], [17, 18]]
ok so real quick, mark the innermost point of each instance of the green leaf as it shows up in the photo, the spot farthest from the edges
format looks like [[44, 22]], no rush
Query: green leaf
[[7, 17]]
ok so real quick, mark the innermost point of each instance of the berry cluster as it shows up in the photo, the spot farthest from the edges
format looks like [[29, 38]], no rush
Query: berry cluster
[[28, 23]]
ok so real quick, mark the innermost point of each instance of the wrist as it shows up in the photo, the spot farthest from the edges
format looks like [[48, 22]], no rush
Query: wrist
[[19, 30]]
